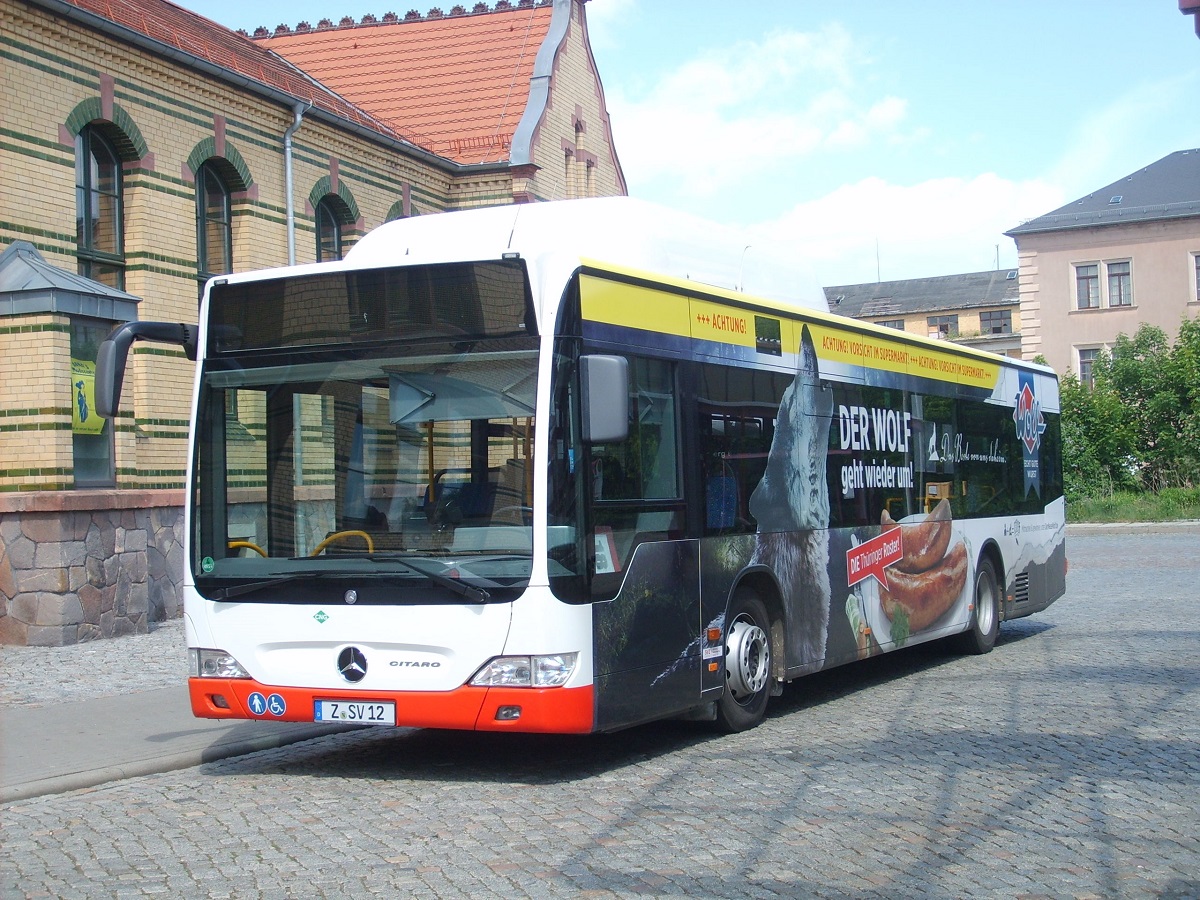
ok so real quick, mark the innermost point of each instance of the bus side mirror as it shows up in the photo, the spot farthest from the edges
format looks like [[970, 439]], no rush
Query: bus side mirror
[[604, 389], [114, 353]]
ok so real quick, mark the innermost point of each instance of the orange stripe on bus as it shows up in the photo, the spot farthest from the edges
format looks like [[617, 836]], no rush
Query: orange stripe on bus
[[559, 710]]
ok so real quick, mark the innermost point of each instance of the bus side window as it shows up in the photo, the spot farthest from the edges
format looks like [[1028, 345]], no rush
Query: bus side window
[[608, 477], [635, 485], [737, 410]]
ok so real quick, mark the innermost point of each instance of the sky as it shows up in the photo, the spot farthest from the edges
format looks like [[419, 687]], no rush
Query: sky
[[884, 140]]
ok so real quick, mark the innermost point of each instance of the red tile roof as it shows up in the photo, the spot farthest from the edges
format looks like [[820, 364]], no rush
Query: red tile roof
[[455, 84], [182, 30]]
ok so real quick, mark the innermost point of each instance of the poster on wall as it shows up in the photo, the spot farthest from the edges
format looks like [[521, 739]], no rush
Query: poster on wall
[[84, 419]]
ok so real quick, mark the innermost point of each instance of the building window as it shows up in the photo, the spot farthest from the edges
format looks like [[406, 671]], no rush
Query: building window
[[1087, 362], [1087, 286], [898, 324], [331, 228], [214, 224], [996, 321], [91, 436], [1120, 286], [1196, 265], [99, 214], [942, 326]]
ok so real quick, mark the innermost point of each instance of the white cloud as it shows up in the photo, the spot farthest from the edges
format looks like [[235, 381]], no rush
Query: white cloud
[[606, 19], [732, 128], [703, 127], [943, 226], [884, 118]]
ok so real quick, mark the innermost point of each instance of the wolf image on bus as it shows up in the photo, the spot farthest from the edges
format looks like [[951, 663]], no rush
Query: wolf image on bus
[[575, 466]]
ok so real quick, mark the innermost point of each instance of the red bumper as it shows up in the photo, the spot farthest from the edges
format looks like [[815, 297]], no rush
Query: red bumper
[[545, 710]]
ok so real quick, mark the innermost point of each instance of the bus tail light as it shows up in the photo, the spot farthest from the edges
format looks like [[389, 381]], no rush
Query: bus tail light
[[213, 664], [527, 671]]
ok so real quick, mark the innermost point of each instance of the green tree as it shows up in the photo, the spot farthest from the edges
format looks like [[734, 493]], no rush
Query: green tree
[[1138, 427], [1097, 449]]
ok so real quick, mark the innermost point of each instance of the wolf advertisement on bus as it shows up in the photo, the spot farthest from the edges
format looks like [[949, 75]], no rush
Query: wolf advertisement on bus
[[881, 489]]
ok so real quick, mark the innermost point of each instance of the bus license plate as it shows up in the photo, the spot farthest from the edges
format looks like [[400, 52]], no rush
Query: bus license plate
[[364, 712]]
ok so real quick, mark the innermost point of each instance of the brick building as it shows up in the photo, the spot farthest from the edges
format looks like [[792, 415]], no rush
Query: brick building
[[147, 148]]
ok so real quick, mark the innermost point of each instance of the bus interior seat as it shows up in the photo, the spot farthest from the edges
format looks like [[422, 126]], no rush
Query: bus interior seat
[[936, 492], [475, 499], [510, 484]]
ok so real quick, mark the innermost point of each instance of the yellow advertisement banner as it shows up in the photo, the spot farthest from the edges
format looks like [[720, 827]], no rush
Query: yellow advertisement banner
[[877, 352], [614, 303], [723, 324], [664, 312], [83, 398]]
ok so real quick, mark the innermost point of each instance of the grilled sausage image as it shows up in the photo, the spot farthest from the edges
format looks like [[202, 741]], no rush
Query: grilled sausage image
[[924, 542], [926, 596]]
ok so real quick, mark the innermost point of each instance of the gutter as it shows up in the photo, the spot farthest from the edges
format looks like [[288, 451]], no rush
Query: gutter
[[298, 113], [1161, 212], [137, 39], [521, 150]]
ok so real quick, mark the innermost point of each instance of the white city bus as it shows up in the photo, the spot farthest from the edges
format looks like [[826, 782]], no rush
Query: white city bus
[[574, 466]]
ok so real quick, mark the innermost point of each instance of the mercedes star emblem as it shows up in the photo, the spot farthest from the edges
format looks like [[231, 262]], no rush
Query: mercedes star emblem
[[352, 664]]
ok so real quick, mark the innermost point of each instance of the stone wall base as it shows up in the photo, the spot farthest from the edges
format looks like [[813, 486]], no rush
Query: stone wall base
[[81, 565]]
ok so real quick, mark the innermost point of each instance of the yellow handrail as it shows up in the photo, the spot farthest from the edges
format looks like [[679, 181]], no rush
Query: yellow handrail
[[338, 535]]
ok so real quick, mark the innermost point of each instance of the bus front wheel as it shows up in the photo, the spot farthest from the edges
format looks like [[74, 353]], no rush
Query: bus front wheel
[[980, 637], [747, 664]]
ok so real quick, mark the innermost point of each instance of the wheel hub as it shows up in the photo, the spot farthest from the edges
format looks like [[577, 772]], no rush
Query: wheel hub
[[985, 604], [748, 659]]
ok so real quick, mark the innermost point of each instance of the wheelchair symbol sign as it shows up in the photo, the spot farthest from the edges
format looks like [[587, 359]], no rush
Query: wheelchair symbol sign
[[260, 705]]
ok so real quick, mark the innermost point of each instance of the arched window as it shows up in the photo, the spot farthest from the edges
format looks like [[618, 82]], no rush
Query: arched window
[[214, 224], [401, 209], [333, 217], [99, 213]]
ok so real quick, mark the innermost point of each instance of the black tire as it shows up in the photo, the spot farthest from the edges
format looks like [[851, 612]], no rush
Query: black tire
[[980, 638], [747, 663]]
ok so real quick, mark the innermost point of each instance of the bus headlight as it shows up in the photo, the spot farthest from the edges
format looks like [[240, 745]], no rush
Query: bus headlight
[[213, 664], [527, 671]]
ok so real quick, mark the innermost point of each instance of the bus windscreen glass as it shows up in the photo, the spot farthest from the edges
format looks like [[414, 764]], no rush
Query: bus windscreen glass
[[412, 303], [399, 470]]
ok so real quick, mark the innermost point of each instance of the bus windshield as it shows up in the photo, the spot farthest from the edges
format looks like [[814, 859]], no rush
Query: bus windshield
[[400, 463]]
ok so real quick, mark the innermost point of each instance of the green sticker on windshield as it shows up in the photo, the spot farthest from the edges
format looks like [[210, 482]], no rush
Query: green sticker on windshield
[[207, 564]]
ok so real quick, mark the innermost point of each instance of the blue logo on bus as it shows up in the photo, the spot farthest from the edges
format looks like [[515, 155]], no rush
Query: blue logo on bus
[[1030, 426], [1028, 416], [260, 705]]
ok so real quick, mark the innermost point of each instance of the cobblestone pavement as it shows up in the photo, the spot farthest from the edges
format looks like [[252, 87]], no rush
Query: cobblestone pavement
[[36, 676], [1064, 764]]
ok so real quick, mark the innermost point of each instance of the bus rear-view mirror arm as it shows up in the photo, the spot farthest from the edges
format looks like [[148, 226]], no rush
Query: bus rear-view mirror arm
[[604, 385], [114, 353]]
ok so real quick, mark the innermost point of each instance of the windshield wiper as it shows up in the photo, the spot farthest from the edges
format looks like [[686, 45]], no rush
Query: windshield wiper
[[457, 585], [250, 586]]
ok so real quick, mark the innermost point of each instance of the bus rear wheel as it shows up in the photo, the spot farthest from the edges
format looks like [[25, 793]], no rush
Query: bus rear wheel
[[747, 664], [985, 618]]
